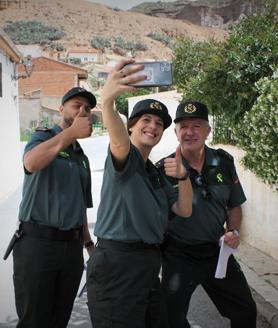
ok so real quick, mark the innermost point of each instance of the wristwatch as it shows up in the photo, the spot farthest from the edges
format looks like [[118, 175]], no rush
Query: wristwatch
[[235, 232]]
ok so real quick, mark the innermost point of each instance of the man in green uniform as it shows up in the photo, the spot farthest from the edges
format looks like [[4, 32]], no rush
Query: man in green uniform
[[191, 247], [48, 257]]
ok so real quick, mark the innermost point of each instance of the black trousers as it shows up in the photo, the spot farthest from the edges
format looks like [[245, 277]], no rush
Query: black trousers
[[47, 274], [185, 267], [123, 287]]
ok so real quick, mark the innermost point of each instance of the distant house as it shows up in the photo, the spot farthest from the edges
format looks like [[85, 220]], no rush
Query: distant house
[[41, 93], [52, 77], [10, 161], [100, 73], [84, 54]]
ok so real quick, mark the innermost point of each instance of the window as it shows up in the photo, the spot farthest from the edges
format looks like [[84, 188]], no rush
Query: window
[[1, 79], [102, 75]]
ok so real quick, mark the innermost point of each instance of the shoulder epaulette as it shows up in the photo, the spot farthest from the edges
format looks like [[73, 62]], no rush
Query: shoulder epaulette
[[225, 154], [42, 128], [160, 163]]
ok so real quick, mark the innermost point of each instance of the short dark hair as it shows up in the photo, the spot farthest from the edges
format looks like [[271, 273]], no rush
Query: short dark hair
[[132, 122]]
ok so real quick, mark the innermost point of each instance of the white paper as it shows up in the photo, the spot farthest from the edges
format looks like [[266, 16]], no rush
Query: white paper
[[224, 254]]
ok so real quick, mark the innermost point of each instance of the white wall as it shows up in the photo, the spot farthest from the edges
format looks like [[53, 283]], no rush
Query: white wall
[[260, 211], [10, 161]]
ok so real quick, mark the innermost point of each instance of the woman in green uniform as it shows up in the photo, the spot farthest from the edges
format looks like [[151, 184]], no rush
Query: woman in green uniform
[[122, 275]]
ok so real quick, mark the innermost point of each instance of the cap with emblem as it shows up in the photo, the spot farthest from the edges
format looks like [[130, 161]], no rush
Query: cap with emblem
[[190, 109], [80, 92], [154, 107]]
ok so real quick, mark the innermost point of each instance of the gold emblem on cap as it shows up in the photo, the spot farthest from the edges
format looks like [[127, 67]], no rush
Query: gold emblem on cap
[[155, 105], [190, 108]]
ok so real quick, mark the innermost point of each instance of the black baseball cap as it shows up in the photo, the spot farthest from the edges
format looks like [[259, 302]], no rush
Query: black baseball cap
[[154, 107], [190, 109], [77, 91]]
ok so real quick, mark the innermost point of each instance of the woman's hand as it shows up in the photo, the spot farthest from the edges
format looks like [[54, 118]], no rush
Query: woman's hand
[[119, 79]]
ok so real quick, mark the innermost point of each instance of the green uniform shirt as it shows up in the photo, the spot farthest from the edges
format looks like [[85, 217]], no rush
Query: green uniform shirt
[[59, 194], [215, 191], [135, 202]]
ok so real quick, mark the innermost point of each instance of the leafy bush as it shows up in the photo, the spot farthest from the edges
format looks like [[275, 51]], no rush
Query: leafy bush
[[57, 46], [100, 43], [32, 32], [122, 103], [129, 45], [165, 39], [74, 61], [224, 76], [260, 132]]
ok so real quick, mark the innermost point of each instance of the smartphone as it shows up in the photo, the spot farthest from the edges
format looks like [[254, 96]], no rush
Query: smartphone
[[159, 73]]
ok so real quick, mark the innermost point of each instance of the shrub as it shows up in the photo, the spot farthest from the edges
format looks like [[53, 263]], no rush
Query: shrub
[[32, 32], [259, 137], [100, 43], [165, 39]]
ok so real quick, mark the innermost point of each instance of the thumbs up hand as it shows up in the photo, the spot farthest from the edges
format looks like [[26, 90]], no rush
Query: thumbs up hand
[[81, 126], [174, 166]]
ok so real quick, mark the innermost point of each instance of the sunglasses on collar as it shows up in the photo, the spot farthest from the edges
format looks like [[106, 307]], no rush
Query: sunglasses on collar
[[200, 182]]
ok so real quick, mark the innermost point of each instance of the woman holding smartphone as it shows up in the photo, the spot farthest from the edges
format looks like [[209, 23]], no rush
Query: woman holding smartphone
[[122, 275]]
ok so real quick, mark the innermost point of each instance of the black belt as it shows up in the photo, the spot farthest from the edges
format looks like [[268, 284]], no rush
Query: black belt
[[121, 245], [46, 232], [203, 250]]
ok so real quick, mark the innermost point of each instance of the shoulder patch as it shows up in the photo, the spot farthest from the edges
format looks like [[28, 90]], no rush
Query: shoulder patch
[[42, 128], [225, 154]]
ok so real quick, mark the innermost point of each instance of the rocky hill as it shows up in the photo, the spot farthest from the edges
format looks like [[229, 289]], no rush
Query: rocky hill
[[83, 20], [202, 12]]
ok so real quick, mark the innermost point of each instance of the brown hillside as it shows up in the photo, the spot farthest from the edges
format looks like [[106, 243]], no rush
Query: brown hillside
[[81, 20]]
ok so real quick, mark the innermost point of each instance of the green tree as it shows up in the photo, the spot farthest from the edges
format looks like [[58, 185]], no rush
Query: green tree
[[260, 133], [225, 75], [122, 103]]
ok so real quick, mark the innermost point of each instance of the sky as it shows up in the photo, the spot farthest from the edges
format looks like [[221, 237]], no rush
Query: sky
[[125, 4]]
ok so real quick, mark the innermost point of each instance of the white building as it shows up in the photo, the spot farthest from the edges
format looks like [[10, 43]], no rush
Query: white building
[[10, 161], [84, 54]]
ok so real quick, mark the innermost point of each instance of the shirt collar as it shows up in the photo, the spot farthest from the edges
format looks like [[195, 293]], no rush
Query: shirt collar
[[210, 159], [57, 128]]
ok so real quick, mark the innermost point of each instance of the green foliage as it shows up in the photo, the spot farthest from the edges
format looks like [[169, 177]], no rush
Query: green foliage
[[57, 46], [129, 45], [32, 32], [224, 76], [100, 43], [25, 134], [74, 61], [259, 137], [122, 103], [165, 39], [118, 42]]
